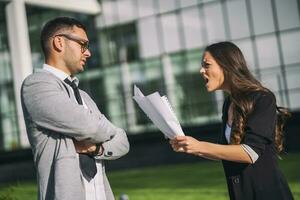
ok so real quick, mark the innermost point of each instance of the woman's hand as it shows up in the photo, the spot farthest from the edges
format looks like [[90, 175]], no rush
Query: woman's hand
[[175, 145], [232, 152], [186, 144], [84, 147]]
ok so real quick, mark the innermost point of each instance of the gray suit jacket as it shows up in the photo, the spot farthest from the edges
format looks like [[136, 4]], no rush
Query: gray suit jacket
[[53, 119]]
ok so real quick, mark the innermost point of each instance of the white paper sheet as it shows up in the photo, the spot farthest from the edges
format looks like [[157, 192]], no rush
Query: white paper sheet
[[160, 112]]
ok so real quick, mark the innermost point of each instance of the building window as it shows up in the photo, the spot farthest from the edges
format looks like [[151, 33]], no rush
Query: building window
[[288, 14], [148, 37], [196, 103], [192, 26], [119, 44], [148, 77], [170, 33], [238, 20], [214, 20], [262, 15], [9, 132], [147, 87]]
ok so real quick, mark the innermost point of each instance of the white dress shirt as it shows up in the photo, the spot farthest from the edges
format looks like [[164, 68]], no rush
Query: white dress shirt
[[94, 189]]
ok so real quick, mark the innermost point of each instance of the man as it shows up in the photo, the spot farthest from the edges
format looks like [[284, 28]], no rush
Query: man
[[69, 136]]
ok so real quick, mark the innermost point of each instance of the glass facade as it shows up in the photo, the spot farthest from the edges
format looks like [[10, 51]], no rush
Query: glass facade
[[169, 38], [9, 132], [157, 45]]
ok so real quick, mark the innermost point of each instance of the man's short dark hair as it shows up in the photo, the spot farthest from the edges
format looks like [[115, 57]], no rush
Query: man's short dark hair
[[55, 25]]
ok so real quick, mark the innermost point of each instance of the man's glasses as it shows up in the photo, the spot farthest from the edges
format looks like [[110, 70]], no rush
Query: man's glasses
[[83, 43]]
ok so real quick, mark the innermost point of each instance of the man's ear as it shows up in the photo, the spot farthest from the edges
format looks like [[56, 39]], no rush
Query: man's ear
[[58, 44]]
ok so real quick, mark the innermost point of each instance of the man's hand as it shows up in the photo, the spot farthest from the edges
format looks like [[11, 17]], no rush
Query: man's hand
[[84, 147]]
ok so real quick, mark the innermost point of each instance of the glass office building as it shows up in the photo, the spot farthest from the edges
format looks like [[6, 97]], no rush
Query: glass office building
[[9, 132], [156, 45]]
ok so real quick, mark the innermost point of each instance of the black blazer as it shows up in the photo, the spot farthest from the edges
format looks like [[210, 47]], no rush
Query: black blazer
[[262, 180]]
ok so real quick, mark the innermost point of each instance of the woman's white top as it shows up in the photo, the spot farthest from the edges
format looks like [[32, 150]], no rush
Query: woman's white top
[[252, 154]]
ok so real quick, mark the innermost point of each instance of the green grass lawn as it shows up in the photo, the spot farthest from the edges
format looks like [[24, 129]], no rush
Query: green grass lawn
[[202, 180]]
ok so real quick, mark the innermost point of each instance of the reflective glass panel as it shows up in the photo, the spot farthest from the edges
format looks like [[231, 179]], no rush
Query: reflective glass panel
[[267, 50], [192, 27], [190, 90], [166, 5], [238, 19], [288, 13], [9, 132], [273, 79], [148, 76], [290, 42], [214, 22], [109, 12], [148, 37], [127, 10], [145, 8], [170, 31], [262, 16], [118, 43], [293, 81], [114, 95], [247, 49], [186, 3]]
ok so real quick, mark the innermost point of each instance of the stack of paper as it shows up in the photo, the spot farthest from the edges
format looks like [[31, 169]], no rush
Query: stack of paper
[[159, 110]]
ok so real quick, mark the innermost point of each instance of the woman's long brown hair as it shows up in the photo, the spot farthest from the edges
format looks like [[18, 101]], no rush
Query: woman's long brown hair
[[241, 84]]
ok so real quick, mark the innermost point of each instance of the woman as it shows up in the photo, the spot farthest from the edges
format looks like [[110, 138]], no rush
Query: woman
[[252, 128]]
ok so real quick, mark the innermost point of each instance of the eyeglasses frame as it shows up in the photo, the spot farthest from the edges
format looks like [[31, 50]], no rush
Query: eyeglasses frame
[[84, 45]]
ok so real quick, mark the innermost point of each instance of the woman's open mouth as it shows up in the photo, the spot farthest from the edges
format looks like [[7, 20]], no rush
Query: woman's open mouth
[[206, 80]]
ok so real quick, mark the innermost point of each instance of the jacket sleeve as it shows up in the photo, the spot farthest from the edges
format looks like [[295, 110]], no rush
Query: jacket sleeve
[[118, 144], [116, 147], [48, 106], [260, 125]]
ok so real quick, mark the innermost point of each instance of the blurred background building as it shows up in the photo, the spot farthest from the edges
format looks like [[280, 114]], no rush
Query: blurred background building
[[155, 44]]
